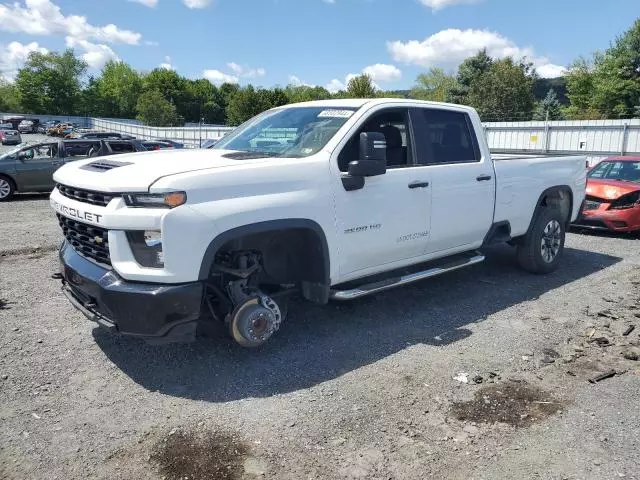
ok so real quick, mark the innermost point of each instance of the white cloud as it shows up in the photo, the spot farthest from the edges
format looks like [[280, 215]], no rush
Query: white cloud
[[550, 70], [13, 56], [245, 71], [296, 82], [151, 43], [43, 17], [335, 85], [167, 64], [383, 73], [146, 3], [96, 55], [197, 3], [217, 77], [440, 4], [448, 48]]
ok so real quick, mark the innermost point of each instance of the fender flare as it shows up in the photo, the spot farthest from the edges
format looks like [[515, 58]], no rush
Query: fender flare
[[545, 193], [263, 227]]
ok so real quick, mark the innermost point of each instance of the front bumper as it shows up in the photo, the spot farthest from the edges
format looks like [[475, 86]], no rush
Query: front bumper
[[158, 313], [612, 220]]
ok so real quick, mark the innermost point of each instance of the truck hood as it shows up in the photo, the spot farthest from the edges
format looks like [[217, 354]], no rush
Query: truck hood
[[136, 172], [610, 189]]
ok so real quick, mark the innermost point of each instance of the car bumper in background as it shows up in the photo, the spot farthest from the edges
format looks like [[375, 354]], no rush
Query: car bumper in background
[[157, 313], [613, 220]]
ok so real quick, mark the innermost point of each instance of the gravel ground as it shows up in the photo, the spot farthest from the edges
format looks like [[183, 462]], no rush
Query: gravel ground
[[363, 390]]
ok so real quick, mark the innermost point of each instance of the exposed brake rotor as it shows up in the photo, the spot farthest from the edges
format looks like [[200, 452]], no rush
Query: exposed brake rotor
[[254, 321]]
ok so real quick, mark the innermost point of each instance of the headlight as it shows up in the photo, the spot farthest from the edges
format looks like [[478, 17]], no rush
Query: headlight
[[629, 200], [156, 200], [147, 248]]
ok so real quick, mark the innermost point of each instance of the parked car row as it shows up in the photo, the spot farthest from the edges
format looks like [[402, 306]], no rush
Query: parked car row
[[30, 168]]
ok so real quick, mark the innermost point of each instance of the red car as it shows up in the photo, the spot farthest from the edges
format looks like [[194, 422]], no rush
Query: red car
[[613, 196]]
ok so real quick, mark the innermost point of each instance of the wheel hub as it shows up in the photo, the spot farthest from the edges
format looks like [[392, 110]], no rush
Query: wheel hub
[[5, 188], [253, 322], [551, 241]]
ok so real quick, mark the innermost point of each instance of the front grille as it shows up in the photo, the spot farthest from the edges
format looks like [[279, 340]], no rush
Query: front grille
[[86, 196], [87, 240]]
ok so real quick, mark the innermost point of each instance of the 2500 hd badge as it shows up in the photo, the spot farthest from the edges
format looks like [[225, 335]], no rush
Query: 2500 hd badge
[[75, 213]]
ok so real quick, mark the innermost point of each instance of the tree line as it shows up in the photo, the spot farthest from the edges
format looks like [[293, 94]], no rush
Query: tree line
[[607, 85]]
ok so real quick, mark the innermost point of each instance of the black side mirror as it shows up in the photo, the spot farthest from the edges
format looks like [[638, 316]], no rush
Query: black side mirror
[[22, 156], [373, 156]]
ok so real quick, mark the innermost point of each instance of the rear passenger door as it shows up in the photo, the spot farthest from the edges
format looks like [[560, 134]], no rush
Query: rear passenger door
[[462, 179]]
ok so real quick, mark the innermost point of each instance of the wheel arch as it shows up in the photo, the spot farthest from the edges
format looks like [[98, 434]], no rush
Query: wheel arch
[[316, 287], [559, 195]]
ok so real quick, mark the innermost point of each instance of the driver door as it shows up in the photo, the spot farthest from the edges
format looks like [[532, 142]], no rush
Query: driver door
[[35, 166], [385, 223]]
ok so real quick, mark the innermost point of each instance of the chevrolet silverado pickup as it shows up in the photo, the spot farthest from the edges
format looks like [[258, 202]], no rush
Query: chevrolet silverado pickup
[[330, 200]]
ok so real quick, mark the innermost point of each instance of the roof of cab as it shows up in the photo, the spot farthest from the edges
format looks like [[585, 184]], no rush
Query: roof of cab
[[359, 102]]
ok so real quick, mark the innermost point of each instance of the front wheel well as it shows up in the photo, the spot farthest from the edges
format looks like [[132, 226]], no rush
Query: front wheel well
[[295, 254]]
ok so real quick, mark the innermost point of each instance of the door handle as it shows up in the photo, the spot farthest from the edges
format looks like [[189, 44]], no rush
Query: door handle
[[419, 185], [483, 178]]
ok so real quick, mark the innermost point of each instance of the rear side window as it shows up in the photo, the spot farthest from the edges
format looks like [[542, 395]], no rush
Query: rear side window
[[448, 137], [122, 147]]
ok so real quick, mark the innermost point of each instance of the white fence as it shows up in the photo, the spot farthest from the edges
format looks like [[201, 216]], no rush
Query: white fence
[[593, 138], [192, 136]]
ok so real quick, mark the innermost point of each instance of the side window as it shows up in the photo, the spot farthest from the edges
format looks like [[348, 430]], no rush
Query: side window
[[78, 150], [448, 137], [122, 147], [394, 125]]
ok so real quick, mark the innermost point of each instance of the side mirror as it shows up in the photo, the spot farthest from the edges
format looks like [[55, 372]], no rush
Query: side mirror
[[22, 156], [373, 156]]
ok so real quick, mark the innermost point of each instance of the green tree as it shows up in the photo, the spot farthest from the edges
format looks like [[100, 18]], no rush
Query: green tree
[[304, 93], [504, 92], [171, 86], [435, 85], [51, 83], [580, 90], [119, 88], [616, 76], [91, 103], [203, 101], [9, 101], [246, 103], [469, 73], [155, 110], [549, 108], [361, 87]]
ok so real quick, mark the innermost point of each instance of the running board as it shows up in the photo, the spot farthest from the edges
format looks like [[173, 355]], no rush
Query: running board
[[396, 281]]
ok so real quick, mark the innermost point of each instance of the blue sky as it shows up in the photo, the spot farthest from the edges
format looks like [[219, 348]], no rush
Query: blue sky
[[318, 42]]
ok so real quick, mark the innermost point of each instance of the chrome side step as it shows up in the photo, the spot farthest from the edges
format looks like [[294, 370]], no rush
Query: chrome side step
[[393, 282]]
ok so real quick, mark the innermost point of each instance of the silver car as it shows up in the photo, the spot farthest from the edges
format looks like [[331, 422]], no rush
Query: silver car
[[10, 137]]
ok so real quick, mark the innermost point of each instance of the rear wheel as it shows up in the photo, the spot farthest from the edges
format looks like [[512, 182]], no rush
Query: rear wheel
[[7, 188], [542, 248]]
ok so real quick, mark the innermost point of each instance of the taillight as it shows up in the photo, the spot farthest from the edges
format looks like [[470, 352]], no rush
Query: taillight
[[629, 200]]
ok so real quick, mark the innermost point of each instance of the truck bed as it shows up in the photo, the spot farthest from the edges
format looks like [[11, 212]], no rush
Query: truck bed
[[521, 179]]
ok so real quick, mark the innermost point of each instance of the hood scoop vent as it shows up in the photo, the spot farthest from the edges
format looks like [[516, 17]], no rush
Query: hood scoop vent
[[104, 165]]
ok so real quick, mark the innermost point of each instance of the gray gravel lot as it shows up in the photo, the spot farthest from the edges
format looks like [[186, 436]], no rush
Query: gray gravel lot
[[360, 390]]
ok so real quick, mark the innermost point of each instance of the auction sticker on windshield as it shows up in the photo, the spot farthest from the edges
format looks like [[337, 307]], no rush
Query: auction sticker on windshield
[[335, 114]]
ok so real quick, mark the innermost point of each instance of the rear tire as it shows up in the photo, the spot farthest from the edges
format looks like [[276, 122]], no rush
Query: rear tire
[[7, 188], [541, 250]]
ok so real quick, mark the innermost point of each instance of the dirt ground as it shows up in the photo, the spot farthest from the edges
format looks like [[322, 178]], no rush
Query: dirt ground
[[479, 374]]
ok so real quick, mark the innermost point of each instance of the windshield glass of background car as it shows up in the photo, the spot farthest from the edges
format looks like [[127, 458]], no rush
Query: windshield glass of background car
[[610, 170], [287, 132]]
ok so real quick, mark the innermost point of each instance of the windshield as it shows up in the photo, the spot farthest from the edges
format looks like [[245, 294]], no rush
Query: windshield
[[287, 132], [612, 170]]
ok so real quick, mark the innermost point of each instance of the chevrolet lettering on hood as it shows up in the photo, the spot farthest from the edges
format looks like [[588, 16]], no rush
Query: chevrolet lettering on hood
[[76, 213]]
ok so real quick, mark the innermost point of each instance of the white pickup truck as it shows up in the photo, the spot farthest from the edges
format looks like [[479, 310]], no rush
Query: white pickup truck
[[333, 200]]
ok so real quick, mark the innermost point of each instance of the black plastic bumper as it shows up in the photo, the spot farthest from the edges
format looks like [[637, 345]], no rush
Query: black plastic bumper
[[158, 313]]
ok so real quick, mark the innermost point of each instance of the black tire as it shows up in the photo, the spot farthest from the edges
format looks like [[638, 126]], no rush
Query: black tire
[[7, 188], [541, 250]]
